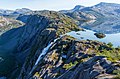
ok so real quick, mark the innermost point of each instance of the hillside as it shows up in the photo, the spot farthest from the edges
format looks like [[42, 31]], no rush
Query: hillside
[[102, 17], [41, 28], [40, 49], [7, 24], [100, 11]]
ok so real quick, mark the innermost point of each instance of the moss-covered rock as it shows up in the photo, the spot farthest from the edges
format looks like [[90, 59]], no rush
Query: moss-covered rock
[[66, 58], [67, 54], [41, 29]]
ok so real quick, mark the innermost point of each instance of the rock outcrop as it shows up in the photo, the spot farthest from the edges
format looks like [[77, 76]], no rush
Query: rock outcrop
[[41, 28], [41, 50], [68, 58], [100, 35]]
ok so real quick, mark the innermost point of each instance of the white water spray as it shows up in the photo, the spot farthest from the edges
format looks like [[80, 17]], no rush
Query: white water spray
[[44, 51]]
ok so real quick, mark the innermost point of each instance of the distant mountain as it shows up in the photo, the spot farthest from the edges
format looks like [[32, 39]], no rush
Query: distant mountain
[[17, 11], [5, 12], [109, 10], [81, 16], [7, 24], [8, 19], [103, 17], [76, 8], [101, 11], [24, 17], [13, 13], [109, 22], [22, 11], [82, 13], [106, 27]]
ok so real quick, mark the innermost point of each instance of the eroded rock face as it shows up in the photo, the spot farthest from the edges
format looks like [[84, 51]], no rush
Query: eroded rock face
[[29, 40], [68, 58]]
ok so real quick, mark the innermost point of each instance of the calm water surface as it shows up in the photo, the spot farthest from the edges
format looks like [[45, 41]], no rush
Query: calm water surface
[[89, 34]]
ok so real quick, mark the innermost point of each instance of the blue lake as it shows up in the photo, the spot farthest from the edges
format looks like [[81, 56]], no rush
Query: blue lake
[[89, 34], [111, 28]]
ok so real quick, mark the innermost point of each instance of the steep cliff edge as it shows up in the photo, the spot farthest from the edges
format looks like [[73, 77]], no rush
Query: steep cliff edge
[[68, 58], [41, 28], [40, 50]]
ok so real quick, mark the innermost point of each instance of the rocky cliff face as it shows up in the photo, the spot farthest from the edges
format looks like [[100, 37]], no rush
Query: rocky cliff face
[[40, 50], [68, 58], [41, 28]]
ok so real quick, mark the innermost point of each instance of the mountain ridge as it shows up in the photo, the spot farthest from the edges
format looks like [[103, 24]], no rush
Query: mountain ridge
[[43, 49], [108, 10]]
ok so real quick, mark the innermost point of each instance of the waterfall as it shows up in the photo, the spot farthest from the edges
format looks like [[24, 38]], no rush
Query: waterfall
[[44, 51]]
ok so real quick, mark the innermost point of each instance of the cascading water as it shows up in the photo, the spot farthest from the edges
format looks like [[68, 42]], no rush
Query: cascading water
[[44, 51]]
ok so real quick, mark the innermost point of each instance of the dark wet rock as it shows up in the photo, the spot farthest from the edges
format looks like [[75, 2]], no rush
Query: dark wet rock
[[78, 33], [100, 35]]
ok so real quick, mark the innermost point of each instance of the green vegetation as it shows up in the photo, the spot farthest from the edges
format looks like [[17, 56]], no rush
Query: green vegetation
[[117, 72], [69, 65], [110, 44], [113, 55], [37, 75], [62, 23]]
